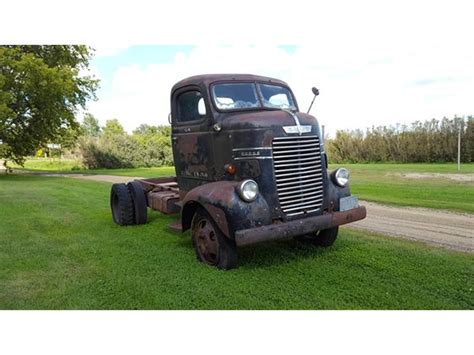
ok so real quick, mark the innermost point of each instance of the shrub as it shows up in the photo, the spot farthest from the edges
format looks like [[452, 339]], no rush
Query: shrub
[[146, 148], [421, 142]]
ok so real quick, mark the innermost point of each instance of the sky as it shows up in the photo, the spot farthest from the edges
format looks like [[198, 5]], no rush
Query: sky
[[374, 62], [361, 84]]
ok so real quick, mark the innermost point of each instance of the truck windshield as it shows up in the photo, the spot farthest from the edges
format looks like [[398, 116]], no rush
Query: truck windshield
[[235, 96]]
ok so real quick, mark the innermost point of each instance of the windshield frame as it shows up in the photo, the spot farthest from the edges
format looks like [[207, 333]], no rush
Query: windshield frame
[[262, 107]]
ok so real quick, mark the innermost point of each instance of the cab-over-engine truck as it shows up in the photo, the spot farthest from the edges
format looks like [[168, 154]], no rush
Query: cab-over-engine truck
[[250, 167]]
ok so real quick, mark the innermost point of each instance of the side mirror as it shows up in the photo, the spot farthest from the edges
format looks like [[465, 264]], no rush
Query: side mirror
[[315, 93]]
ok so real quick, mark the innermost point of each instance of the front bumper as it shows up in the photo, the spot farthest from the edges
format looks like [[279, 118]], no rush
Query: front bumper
[[298, 227]]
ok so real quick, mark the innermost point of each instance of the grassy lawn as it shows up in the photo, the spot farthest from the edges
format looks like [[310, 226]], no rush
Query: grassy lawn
[[42, 165], [59, 249], [384, 183], [50, 165], [372, 182]]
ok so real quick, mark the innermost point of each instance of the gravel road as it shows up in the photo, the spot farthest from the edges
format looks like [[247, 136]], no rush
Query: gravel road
[[113, 179], [447, 229], [442, 228]]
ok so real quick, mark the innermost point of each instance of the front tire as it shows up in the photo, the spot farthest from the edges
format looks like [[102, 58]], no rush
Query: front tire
[[323, 238], [211, 245]]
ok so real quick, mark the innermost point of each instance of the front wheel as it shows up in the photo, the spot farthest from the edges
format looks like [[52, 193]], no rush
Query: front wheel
[[211, 245], [323, 238]]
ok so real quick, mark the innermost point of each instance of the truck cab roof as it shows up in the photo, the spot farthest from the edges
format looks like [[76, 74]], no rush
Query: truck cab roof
[[208, 79]]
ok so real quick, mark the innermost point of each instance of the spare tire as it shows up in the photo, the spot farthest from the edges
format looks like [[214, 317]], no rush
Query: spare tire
[[139, 201], [122, 205]]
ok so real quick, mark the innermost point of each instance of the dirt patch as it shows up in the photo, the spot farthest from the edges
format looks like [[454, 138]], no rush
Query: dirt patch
[[447, 229], [103, 178], [450, 176]]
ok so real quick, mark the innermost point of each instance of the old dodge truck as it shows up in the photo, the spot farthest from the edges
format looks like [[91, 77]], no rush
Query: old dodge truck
[[250, 167]]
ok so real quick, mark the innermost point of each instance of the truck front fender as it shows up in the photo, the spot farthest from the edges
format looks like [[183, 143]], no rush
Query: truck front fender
[[333, 193], [221, 200]]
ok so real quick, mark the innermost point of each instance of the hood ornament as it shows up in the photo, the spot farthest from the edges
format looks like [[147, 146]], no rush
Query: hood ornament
[[298, 128]]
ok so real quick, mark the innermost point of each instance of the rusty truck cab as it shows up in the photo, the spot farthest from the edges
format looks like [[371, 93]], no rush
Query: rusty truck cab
[[230, 128], [250, 167]]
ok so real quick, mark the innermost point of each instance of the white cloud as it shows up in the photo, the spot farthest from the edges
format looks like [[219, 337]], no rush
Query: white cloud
[[358, 88]]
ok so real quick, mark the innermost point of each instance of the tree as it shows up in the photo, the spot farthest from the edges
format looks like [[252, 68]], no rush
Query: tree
[[90, 126], [41, 89], [113, 128], [145, 129]]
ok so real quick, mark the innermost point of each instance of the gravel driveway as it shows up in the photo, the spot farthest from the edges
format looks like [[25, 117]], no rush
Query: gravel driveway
[[447, 229]]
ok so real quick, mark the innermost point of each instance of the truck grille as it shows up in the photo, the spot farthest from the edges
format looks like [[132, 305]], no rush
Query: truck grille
[[298, 174]]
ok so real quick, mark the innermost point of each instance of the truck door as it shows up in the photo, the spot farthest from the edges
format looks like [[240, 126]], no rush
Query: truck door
[[191, 138]]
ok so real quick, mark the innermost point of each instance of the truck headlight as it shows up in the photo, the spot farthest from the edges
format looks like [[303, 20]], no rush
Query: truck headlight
[[248, 190], [341, 177]]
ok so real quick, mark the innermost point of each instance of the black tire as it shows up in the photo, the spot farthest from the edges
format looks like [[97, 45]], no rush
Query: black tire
[[323, 238], [139, 201], [121, 205], [211, 245]]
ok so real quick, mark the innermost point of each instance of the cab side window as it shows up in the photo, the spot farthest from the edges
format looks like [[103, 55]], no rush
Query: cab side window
[[190, 106]]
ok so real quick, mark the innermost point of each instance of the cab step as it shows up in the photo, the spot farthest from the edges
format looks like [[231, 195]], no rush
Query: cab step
[[176, 226]]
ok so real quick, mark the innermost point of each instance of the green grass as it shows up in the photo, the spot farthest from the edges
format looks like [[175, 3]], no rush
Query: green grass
[[50, 165], [142, 172], [383, 183], [372, 182], [59, 249], [42, 165]]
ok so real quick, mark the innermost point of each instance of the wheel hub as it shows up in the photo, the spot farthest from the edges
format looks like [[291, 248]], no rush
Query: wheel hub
[[207, 241]]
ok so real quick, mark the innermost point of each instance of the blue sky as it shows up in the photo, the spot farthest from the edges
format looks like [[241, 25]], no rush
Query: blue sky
[[141, 56]]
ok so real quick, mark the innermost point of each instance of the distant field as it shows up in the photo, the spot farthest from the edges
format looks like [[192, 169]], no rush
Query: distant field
[[59, 249], [383, 183], [387, 183]]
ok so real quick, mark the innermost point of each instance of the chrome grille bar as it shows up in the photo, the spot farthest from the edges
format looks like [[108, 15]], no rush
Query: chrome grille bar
[[298, 174]]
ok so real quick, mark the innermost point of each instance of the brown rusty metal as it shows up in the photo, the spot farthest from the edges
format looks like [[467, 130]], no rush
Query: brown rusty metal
[[355, 214], [164, 201], [219, 217], [150, 184], [162, 194], [205, 238], [218, 192], [298, 227]]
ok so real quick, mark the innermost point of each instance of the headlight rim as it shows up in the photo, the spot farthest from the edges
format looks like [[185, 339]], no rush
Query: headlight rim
[[240, 190], [336, 180]]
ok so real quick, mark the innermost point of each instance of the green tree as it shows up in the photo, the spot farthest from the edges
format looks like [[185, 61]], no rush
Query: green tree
[[113, 128], [90, 126], [145, 129], [41, 89]]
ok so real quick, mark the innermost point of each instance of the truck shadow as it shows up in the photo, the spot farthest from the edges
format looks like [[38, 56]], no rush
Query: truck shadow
[[279, 252], [270, 254]]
